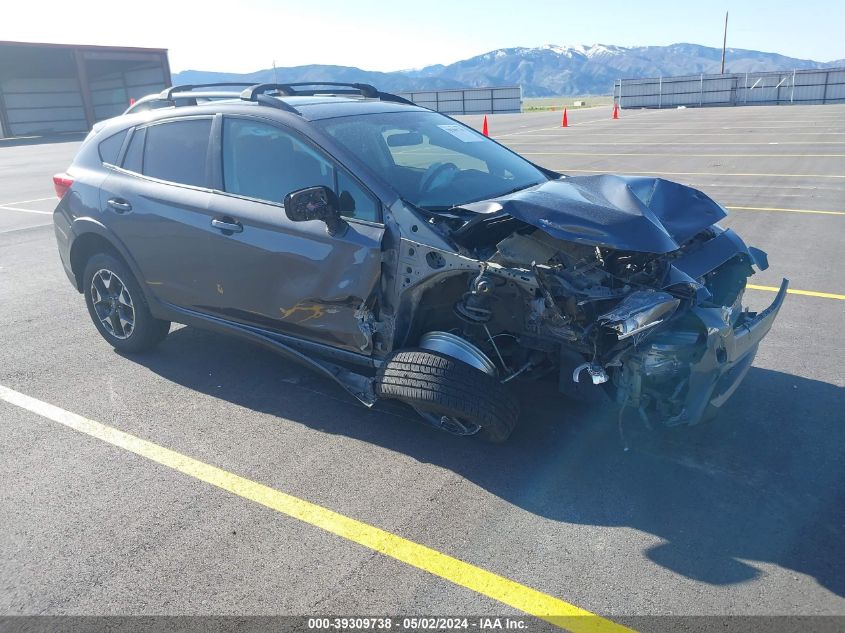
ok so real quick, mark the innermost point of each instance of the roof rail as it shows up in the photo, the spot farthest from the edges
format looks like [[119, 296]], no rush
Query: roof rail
[[307, 89], [188, 99], [167, 93], [389, 96], [274, 103], [257, 92], [297, 89]]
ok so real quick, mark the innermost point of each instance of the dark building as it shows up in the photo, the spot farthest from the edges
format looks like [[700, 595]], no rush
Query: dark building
[[53, 88]]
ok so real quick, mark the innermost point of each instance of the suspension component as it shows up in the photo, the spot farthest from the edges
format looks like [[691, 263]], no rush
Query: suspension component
[[474, 306], [596, 373]]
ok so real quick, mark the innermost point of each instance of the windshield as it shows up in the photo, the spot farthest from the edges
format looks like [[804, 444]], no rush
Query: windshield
[[432, 161]]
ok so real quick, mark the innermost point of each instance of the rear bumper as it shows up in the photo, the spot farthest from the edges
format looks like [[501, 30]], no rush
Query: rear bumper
[[64, 240]]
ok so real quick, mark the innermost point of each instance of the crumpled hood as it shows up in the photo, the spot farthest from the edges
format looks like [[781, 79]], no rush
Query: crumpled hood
[[631, 213]]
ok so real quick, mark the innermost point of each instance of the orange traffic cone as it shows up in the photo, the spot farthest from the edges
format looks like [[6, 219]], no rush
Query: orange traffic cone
[[615, 110], [484, 129], [564, 122]]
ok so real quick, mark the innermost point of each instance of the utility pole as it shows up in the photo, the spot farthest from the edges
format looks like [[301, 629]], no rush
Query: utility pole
[[724, 42]]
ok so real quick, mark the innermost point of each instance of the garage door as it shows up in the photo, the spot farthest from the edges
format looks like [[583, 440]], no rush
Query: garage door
[[39, 90]]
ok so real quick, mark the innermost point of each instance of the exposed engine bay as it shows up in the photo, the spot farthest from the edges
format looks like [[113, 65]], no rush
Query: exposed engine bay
[[662, 332]]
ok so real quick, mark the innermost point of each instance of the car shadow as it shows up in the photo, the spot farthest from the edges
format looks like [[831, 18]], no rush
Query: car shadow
[[765, 482]]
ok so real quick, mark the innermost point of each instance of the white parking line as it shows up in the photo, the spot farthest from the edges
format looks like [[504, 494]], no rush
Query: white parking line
[[24, 228], [674, 143], [627, 172], [648, 133], [5, 208], [671, 154], [608, 119], [14, 204]]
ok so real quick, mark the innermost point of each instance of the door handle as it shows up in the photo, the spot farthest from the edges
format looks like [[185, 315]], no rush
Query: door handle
[[227, 225], [119, 205]]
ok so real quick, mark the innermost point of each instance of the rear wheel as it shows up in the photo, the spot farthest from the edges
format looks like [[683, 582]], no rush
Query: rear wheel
[[439, 387], [117, 306]]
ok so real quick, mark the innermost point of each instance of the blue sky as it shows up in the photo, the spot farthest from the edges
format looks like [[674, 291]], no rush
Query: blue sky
[[246, 35]]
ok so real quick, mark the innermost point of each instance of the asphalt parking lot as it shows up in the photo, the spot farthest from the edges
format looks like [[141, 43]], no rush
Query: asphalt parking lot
[[742, 516]]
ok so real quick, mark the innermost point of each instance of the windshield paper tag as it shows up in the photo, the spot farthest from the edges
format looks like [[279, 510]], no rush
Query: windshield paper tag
[[461, 133]]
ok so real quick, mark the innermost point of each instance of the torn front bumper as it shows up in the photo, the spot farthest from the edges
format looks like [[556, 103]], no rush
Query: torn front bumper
[[686, 374]]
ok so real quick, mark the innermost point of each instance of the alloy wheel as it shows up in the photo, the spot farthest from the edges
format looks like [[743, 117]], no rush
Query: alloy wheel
[[113, 304]]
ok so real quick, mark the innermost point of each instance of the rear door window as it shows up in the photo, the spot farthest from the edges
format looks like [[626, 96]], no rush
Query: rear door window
[[176, 151]]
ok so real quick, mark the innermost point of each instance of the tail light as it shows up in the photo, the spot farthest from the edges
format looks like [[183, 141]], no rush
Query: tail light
[[62, 183]]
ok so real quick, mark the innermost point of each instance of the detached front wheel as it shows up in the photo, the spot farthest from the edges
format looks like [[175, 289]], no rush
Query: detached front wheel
[[439, 387]]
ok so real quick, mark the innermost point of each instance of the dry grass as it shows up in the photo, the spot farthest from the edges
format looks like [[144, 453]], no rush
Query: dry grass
[[536, 104]]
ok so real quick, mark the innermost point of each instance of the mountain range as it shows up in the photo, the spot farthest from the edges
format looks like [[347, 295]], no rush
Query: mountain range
[[541, 71]]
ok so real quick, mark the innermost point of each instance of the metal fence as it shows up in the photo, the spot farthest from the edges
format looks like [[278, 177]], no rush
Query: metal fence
[[491, 100], [761, 88]]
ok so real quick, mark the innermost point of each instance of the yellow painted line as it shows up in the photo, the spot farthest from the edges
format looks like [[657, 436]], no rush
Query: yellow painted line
[[693, 173], [788, 210], [672, 154], [806, 293], [499, 588]]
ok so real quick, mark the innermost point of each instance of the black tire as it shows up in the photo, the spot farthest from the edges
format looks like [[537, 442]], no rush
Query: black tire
[[443, 385], [146, 331]]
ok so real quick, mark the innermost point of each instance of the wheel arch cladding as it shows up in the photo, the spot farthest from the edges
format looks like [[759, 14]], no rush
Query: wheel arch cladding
[[86, 246]]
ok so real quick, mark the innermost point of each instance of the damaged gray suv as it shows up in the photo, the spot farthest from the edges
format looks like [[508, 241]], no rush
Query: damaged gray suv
[[406, 256]]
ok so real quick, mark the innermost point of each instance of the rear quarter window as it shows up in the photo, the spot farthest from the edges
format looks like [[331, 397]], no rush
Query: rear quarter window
[[133, 160], [177, 151], [109, 149]]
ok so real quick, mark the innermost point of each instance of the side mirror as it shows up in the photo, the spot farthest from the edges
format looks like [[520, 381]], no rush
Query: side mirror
[[316, 203]]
